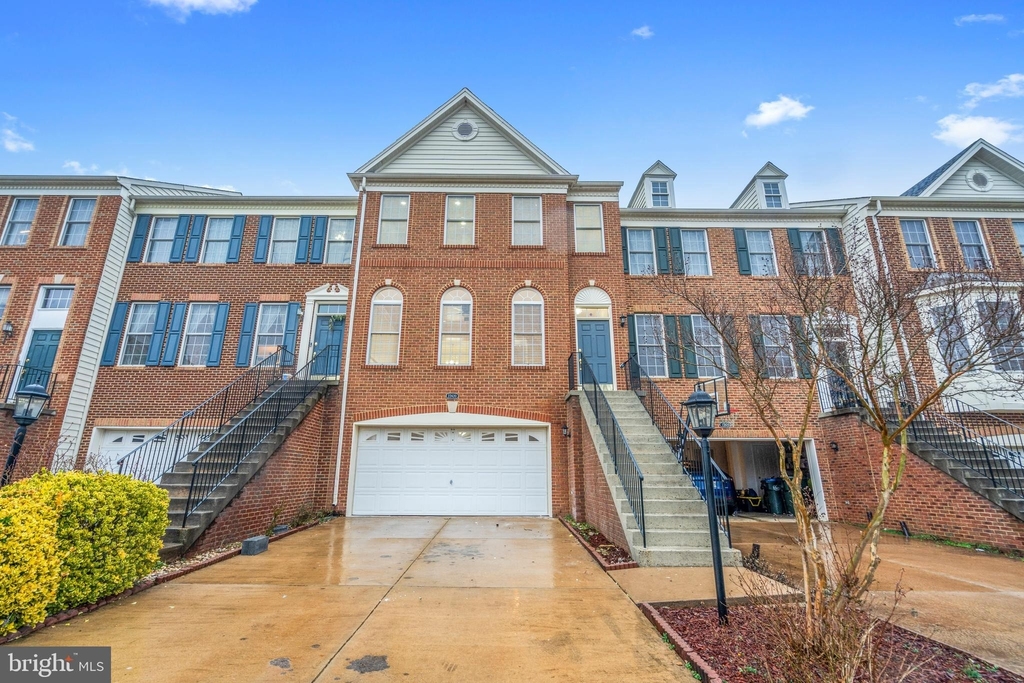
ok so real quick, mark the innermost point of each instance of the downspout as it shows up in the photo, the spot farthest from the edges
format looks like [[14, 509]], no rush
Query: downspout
[[888, 279], [348, 345]]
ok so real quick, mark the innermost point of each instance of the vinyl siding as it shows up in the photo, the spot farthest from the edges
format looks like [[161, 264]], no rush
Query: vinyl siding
[[1002, 186], [749, 200]]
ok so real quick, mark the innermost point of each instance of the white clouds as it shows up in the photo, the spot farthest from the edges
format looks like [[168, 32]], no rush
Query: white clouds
[[12, 140], [644, 32], [979, 19], [960, 131], [782, 109], [76, 167], [181, 9], [1010, 86]]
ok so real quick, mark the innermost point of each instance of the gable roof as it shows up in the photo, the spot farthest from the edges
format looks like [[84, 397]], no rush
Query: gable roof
[[464, 102], [658, 168], [981, 149], [769, 170]]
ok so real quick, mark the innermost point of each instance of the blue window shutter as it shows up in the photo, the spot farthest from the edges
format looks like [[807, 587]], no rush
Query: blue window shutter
[[291, 328], [245, 338], [631, 330], [798, 250], [732, 364], [676, 244], [675, 368], [235, 245], [689, 348], [114, 333], [263, 239], [302, 245], [178, 245], [662, 249], [319, 235], [139, 238], [195, 239], [220, 323], [835, 245], [757, 340], [742, 255], [156, 342], [625, 251], [170, 356], [803, 353]]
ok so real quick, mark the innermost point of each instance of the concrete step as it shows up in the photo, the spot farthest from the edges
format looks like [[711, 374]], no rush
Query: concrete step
[[686, 492], [171, 551], [675, 521], [685, 557], [667, 507]]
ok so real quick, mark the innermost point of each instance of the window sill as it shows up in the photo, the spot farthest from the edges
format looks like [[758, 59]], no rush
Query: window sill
[[528, 247], [590, 253], [211, 264], [391, 246], [191, 368], [459, 246], [453, 367], [70, 246], [13, 246], [529, 367], [374, 366]]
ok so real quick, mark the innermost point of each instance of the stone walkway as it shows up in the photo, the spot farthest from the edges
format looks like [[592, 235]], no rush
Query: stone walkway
[[431, 599]]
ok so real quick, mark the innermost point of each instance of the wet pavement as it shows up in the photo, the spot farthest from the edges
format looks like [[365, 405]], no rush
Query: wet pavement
[[971, 600], [386, 599]]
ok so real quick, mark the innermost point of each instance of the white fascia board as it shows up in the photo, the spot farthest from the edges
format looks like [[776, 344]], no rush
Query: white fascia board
[[450, 420], [228, 206], [385, 182], [75, 186]]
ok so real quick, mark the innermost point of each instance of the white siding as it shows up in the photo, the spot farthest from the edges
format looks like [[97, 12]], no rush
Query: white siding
[[489, 152], [748, 200], [640, 200], [1002, 186]]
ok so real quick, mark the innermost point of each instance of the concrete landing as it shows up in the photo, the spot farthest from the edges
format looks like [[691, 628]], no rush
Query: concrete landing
[[684, 585]]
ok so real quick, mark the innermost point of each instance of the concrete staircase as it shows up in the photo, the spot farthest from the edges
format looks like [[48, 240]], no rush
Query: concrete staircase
[[177, 480], [676, 517]]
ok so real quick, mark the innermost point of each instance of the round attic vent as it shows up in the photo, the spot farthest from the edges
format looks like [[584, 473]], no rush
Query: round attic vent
[[464, 130], [979, 180]]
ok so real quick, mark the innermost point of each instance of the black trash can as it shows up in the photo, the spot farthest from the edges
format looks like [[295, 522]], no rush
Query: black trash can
[[773, 499]]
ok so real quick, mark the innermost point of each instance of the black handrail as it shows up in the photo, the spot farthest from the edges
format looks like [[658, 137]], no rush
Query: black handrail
[[14, 376], [223, 456], [676, 431], [626, 466], [835, 394], [161, 452]]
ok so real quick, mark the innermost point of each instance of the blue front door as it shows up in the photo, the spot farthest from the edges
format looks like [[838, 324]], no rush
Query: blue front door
[[328, 335], [39, 360], [595, 340]]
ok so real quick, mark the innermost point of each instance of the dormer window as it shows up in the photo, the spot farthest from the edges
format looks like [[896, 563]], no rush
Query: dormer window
[[772, 196], [659, 193]]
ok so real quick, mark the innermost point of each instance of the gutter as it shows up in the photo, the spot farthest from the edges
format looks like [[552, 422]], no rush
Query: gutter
[[348, 346]]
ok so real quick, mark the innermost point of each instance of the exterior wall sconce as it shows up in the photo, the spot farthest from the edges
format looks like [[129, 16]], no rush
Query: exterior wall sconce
[[452, 399], [834, 446], [565, 431], [622, 320], [7, 329]]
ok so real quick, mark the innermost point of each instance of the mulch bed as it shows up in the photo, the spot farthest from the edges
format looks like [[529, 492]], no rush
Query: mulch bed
[[738, 653], [607, 554]]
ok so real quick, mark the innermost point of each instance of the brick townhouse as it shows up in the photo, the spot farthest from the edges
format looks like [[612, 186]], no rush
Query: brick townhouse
[[452, 288]]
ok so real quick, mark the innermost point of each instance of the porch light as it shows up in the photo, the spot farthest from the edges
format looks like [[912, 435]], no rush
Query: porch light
[[7, 329], [622, 320], [701, 409], [28, 404], [565, 431]]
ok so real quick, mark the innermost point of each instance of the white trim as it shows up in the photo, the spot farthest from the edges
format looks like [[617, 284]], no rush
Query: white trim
[[981, 240], [326, 294], [661, 342], [539, 198], [124, 334], [273, 231], [440, 326], [256, 329], [653, 252], [592, 296], [149, 238], [10, 221], [928, 241], [43, 319], [408, 215], [763, 195], [827, 252], [575, 233], [543, 329], [595, 298], [184, 332], [206, 238], [775, 256], [328, 241], [401, 321], [669, 186], [67, 220], [445, 229], [682, 251]]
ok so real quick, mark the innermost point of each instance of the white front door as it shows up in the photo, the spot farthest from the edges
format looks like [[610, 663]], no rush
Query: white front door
[[451, 471]]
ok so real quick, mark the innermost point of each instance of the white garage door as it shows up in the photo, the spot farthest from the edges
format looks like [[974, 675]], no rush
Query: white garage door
[[451, 471], [114, 443]]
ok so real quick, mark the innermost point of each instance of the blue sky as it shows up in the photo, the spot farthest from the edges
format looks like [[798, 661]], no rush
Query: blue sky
[[275, 97]]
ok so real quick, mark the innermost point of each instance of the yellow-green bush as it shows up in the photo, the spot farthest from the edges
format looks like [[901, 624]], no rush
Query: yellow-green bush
[[30, 560], [105, 533]]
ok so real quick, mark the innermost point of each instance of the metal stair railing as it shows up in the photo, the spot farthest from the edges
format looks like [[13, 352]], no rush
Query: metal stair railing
[[626, 466], [157, 455], [224, 455], [14, 376], [681, 438]]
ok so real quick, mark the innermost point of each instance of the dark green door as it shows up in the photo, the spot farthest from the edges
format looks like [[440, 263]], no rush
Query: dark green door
[[39, 361], [328, 335]]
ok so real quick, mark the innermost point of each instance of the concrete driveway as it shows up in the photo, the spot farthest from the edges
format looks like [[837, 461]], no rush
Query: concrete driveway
[[461, 599]]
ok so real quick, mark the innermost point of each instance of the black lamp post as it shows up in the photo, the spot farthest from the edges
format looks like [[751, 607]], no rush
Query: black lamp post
[[701, 410], [28, 404]]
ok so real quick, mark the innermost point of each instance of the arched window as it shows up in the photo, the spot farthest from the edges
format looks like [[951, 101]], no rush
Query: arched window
[[455, 347], [527, 327], [385, 327]]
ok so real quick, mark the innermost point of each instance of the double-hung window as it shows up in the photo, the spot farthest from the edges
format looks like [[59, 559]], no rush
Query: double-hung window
[[762, 253], [919, 246], [455, 347], [283, 240], [1018, 229], [650, 344], [139, 334], [695, 252], [394, 219], [5, 294], [161, 239], [57, 298], [772, 195], [77, 224], [641, 252], [526, 221], [659, 193], [968, 234], [1006, 347], [339, 240], [218, 239], [777, 344], [270, 330], [385, 327], [950, 337], [814, 250], [707, 347], [195, 348], [460, 217], [589, 228], [20, 222], [527, 328]]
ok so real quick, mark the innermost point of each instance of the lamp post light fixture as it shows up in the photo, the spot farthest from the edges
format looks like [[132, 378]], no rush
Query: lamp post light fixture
[[701, 410], [28, 404]]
